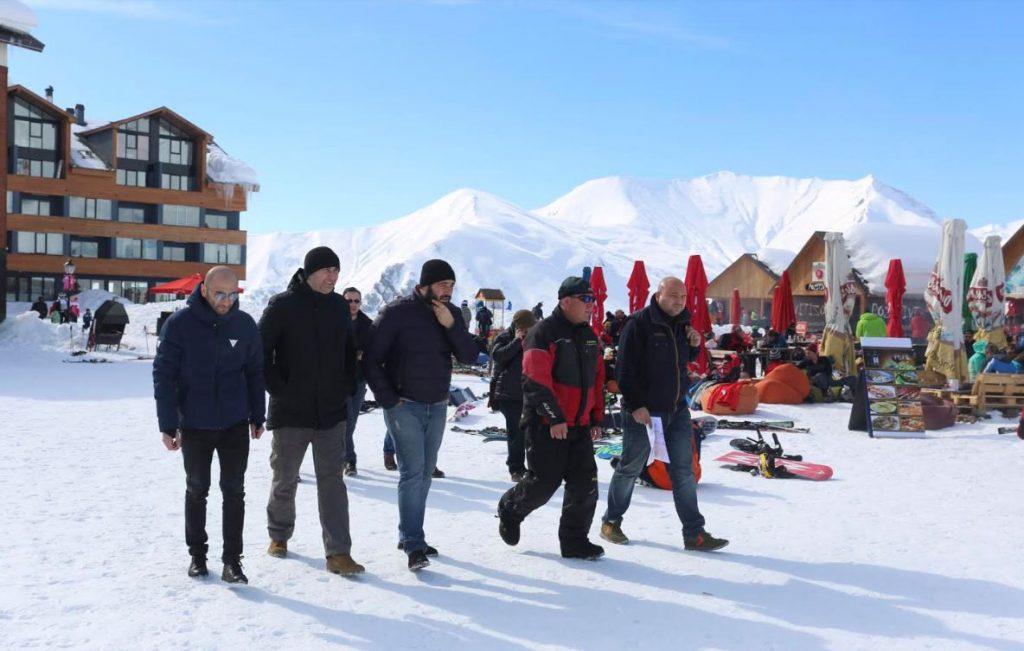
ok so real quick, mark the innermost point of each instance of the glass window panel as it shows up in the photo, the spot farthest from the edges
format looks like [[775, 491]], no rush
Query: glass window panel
[[54, 244], [26, 242], [21, 133], [149, 249]]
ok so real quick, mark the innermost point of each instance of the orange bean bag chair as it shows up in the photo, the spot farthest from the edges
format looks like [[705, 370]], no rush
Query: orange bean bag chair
[[730, 399], [784, 385]]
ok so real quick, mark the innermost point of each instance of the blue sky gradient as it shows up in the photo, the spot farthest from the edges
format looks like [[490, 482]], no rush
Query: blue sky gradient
[[358, 112]]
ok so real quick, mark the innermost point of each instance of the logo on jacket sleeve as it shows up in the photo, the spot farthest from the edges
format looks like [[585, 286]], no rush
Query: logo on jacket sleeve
[[232, 342]]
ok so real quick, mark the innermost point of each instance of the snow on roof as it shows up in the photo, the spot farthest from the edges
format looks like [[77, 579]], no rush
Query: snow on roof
[[778, 260], [17, 16], [871, 246], [81, 155], [222, 168]]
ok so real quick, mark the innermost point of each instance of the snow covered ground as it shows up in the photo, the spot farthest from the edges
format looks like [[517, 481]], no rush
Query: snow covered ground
[[914, 544]]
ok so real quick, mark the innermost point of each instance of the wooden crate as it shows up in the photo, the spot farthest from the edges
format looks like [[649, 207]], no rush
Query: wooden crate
[[999, 391]]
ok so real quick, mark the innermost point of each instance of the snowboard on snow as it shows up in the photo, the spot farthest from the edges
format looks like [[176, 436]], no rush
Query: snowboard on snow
[[491, 433], [461, 412], [781, 468], [767, 425]]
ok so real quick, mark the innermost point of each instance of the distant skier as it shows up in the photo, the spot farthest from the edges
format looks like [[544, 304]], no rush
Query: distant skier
[[538, 311], [484, 319]]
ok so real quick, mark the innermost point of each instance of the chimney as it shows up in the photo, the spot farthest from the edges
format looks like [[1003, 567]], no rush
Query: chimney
[[49, 94], [80, 114]]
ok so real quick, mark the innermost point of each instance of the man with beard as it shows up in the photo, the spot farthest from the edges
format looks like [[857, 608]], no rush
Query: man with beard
[[208, 383], [656, 346], [308, 361], [409, 367], [563, 395]]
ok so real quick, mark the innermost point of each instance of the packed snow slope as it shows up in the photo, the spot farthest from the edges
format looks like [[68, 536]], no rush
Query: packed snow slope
[[914, 544], [608, 222]]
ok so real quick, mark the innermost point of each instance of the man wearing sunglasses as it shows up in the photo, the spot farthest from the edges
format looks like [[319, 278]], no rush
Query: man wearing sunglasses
[[310, 367], [563, 396], [655, 347], [208, 384], [360, 334]]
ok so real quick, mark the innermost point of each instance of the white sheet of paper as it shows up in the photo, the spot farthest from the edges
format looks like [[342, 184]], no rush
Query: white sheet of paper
[[656, 436]]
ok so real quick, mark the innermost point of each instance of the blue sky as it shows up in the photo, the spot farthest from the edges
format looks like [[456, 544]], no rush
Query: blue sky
[[358, 112]]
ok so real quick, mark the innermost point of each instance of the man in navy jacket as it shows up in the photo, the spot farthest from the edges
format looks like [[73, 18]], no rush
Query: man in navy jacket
[[656, 345], [409, 367], [208, 383]]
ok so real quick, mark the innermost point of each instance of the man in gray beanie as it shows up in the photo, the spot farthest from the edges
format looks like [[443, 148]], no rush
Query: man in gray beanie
[[409, 367], [309, 368]]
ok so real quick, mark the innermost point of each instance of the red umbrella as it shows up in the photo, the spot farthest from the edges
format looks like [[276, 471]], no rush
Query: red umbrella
[[180, 286], [697, 304], [895, 287], [783, 312], [735, 311], [638, 286], [600, 294]]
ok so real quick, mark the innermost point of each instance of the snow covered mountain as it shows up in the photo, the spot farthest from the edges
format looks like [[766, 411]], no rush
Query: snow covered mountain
[[609, 222]]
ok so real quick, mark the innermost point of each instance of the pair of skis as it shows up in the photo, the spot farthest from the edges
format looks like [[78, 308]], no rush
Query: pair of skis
[[767, 425]]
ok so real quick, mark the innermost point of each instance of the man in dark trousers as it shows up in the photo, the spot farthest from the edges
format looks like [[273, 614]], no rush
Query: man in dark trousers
[[563, 395], [507, 355], [208, 384], [310, 367], [656, 345], [409, 368], [484, 319], [360, 334]]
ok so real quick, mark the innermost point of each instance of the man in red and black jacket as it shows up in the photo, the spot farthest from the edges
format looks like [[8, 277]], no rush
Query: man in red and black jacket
[[563, 395]]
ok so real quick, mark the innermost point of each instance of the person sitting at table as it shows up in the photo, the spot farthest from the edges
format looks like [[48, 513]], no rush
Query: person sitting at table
[[734, 340], [1001, 362], [819, 371], [773, 340]]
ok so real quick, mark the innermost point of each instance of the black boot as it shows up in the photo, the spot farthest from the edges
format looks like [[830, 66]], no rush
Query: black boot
[[418, 560], [587, 551], [508, 529], [197, 567], [428, 550], [233, 573]]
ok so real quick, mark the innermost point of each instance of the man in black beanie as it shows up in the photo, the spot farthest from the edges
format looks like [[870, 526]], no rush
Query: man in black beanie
[[309, 367], [408, 365]]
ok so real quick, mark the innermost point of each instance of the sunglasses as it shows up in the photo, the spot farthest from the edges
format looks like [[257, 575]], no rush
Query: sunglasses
[[585, 298], [225, 296], [356, 301]]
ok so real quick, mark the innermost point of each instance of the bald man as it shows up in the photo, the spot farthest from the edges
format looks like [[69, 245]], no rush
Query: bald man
[[656, 345], [210, 397]]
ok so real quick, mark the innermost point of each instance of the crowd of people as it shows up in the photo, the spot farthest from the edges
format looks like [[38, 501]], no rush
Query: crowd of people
[[314, 352]]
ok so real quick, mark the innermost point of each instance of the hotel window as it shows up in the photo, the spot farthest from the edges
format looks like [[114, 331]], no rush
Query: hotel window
[[222, 253], [133, 249], [215, 220], [45, 243], [10, 202], [33, 127], [85, 248], [180, 215], [175, 146], [135, 178], [31, 167], [175, 182], [133, 140], [174, 252], [89, 208], [35, 205], [131, 214]]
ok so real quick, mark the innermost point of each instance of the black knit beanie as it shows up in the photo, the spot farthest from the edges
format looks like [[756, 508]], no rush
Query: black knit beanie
[[434, 271], [319, 258]]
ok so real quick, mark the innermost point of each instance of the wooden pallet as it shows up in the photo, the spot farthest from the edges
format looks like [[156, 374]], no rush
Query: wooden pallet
[[990, 391]]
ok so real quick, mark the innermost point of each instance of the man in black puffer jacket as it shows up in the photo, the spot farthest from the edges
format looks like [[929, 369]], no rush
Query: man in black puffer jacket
[[309, 366], [409, 367], [656, 345], [208, 384], [507, 357], [563, 392], [360, 334]]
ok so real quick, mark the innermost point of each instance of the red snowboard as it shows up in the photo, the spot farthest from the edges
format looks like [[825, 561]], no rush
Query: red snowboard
[[802, 469]]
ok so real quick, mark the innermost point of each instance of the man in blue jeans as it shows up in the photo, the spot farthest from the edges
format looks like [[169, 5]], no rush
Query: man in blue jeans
[[408, 365], [654, 348]]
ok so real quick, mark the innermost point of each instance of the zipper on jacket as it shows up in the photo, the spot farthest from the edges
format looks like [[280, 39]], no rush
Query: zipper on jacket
[[583, 393], [216, 371], [679, 384]]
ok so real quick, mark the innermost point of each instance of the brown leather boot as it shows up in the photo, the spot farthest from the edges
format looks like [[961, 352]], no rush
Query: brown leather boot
[[278, 548], [344, 565]]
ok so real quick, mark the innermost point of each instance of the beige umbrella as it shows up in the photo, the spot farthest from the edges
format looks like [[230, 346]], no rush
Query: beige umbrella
[[840, 299], [944, 297], [986, 295]]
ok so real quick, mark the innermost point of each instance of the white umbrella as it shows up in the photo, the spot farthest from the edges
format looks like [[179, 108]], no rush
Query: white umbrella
[[985, 295], [944, 297], [840, 299]]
